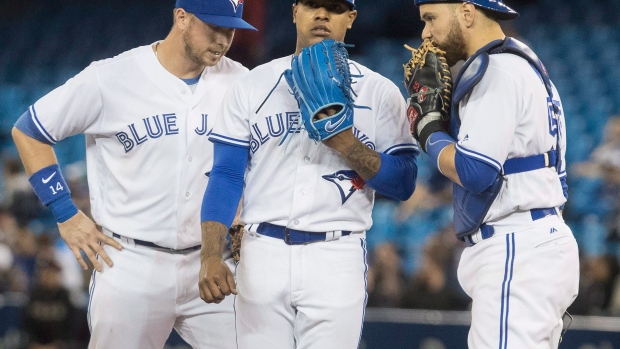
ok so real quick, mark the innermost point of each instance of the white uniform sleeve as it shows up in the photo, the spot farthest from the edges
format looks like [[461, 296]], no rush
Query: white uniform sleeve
[[232, 120], [489, 118], [392, 124], [70, 109]]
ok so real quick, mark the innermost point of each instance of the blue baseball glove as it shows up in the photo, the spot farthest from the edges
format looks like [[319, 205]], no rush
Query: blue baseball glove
[[320, 78]]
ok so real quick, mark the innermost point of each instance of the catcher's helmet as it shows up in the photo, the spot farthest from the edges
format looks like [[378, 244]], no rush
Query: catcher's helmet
[[502, 11]]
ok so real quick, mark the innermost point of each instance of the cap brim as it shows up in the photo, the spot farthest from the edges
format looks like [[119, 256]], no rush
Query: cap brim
[[225, 21]]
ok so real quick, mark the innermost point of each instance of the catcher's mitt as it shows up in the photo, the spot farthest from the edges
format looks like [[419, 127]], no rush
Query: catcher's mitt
[[429, 84], [236, 233], [320, 78]]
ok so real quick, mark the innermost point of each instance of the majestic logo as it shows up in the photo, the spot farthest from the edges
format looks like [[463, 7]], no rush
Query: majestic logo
[[236, 4], [553, 230], [329, 127], [342, 179]]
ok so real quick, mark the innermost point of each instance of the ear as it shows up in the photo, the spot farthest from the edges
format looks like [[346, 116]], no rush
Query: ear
[[352, 16], [467, 13], [294, 13], [182, 18]]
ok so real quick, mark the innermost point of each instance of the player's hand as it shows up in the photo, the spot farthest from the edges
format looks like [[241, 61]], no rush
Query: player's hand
[[215, 280], [342, 140], [80, 233]]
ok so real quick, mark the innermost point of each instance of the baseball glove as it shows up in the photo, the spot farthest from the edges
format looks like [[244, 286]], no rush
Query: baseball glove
[[236, 233], [320, 78], [429, 84]]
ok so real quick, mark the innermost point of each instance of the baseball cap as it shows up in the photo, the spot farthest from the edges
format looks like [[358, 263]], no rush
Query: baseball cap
[[498, 6], [221, 13], [350, 2]]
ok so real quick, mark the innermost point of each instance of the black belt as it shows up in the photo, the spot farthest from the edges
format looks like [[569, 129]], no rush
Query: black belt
[[298, 237], [160, 248], [486, 231]]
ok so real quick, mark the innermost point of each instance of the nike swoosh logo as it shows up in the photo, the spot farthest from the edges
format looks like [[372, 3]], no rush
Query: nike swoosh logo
[[439, 141], [45, 180], [329, 127]]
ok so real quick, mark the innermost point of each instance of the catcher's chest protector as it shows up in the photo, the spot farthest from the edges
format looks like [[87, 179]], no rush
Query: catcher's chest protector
[[470, 208]]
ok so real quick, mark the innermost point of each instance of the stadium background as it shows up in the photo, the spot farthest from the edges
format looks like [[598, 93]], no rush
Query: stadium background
[[413, 252]]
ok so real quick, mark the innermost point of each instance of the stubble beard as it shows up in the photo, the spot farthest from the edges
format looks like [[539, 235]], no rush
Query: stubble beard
[[191, 52], [454, 45]]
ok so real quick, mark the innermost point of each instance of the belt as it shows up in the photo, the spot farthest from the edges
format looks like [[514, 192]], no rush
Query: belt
[[298, 237], [159, 248], [486, 230]]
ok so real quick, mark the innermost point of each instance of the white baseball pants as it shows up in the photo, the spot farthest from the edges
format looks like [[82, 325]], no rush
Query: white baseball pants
[[521, 284]]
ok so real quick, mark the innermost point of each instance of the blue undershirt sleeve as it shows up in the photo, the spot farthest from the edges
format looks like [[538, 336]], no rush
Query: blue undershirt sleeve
[[27, 126], [226, 181], [397, 175], [475, 175]]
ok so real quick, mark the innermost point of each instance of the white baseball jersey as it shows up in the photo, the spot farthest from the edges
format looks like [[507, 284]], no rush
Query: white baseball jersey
[[148, 152], [507, 116], [303, 184], [526, 274]]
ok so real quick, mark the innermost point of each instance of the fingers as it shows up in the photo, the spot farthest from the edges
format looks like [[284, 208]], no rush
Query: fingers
[[93, 258], [216, 293], [101, 252], [78, 257], [109, 241], [216, 281], [230, 279]]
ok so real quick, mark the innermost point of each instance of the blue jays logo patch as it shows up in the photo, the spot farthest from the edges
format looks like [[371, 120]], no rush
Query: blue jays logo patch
[[347, 182], [236, 3]]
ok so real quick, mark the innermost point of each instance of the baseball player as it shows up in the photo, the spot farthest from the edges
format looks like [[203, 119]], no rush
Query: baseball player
[[146, 114], [301, 278], [504, 150]]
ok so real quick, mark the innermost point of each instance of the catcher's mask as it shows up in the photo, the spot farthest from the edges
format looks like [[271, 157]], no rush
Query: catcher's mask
[[502, 11]]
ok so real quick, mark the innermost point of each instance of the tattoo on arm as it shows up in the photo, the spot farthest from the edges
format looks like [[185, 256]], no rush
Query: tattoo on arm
[[213, 238], [363, 160]]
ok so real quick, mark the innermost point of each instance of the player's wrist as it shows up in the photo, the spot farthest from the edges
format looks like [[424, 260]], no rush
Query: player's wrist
[[51, 188], [436, 143], [63, 209], [429, 125]]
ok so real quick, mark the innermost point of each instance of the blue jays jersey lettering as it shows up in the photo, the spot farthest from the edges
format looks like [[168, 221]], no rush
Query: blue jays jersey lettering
[[275, 126], [316, 189], [155, 127], [126, 125]]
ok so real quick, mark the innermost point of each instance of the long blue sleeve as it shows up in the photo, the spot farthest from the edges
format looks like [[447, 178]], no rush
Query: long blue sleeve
[[397, 175], [225, 187]]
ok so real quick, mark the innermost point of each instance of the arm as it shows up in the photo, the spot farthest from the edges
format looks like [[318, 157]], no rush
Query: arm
[[365, 161], [219, 207], [390, 175], [77, 230], [455, 163]]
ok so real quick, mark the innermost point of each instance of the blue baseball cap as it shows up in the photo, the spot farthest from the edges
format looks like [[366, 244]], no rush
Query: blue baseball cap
[[221, 13], [502, 11], [350, 2]]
